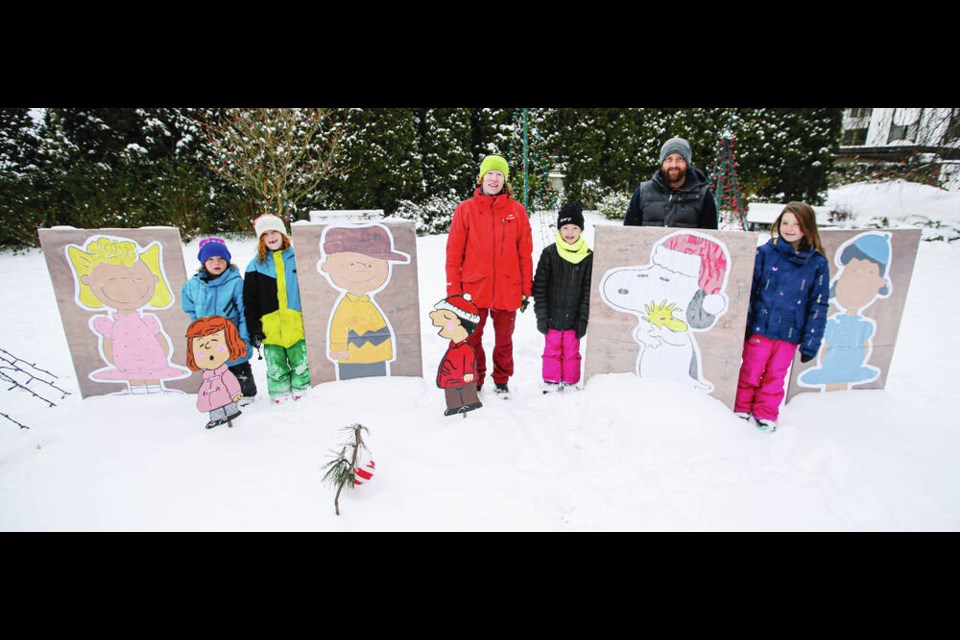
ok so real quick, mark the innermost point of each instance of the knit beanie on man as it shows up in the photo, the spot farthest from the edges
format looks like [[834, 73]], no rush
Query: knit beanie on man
[[675, 145], [495, 163], [571, 213]]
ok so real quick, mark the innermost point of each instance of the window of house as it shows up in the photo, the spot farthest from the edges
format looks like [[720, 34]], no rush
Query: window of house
[[905, 125], [854, 138], [859, 112]]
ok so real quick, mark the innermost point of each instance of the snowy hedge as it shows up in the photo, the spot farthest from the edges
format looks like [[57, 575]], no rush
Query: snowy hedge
[[433, 216]]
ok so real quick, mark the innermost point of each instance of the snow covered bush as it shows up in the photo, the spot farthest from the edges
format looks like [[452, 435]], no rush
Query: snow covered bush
[[433, 216], [613, 204]]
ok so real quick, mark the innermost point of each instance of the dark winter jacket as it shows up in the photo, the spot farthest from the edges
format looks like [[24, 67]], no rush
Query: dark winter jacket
[[490, 252], [561, 292], [223, 296], [790, 294], [655, 204], [273, 312]]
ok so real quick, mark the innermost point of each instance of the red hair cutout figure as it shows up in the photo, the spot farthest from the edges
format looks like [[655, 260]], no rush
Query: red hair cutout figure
[[212, 342]]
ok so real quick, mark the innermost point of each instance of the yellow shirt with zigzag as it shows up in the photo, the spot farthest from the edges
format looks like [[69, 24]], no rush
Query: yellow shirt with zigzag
[[357, 326]]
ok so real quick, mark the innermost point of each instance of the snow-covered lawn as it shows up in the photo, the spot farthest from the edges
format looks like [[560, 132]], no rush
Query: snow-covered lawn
[[621, 454]]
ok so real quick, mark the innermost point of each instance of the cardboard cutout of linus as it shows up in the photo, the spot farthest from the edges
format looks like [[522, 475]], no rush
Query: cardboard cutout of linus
[[357, 261], [457, 317], [213, 341]]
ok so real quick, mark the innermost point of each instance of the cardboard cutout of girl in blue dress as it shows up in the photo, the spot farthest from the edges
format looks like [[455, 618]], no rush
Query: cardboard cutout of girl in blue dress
[[863, 277]]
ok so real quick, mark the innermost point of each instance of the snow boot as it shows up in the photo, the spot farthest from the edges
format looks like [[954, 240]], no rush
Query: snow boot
[[551, 387], [502, 390], [765, 424]]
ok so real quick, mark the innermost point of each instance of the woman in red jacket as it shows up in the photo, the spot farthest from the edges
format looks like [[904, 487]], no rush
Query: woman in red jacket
[[490, 256]]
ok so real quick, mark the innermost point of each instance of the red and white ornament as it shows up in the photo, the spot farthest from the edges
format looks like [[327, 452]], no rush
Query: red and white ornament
[[363, 473]]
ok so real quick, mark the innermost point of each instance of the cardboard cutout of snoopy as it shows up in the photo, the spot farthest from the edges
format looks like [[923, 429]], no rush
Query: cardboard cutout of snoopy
[[680, 292]]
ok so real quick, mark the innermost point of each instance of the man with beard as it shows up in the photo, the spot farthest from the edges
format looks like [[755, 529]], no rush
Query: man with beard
[[677, 196]]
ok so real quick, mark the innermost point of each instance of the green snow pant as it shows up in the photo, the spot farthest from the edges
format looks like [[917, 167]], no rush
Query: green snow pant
[[286, 368]]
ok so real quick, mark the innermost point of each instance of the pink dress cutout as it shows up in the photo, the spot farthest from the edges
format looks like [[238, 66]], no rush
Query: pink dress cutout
[[137, 355]]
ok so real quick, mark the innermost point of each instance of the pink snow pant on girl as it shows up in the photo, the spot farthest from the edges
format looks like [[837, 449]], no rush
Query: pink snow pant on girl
[[762, 374], [561, 357]]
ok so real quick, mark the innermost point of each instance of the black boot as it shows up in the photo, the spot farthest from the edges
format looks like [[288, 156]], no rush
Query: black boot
[[248, 386]]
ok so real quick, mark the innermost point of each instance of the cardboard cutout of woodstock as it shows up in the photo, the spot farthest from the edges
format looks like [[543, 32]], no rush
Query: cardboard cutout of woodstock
[[680, 292]]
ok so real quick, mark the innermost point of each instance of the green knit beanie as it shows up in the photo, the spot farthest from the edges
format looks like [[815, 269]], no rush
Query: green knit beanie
[[495, 163]]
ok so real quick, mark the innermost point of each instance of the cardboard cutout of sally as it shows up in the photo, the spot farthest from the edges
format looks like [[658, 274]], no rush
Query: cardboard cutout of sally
[[671, 304], [123, 277], [870, 274], [360, 298]]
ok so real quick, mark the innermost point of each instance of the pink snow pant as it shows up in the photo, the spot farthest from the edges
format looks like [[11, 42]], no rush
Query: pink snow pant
[[561, 357], [503, 323], [762, 375]]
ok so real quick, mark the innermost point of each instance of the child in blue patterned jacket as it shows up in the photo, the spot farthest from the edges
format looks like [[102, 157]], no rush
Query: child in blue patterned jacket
[[788, 310], [216, 289]]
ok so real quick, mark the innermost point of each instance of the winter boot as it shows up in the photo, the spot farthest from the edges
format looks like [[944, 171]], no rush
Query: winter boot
[[248, 387], [765, 424], [502, 390], [551, 387]]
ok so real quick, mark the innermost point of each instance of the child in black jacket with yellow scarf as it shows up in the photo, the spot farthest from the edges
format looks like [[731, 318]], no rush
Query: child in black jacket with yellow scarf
[[561, 293]]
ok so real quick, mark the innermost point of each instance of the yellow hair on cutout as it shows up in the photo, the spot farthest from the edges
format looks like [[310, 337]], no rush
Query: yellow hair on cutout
[[114, 251]]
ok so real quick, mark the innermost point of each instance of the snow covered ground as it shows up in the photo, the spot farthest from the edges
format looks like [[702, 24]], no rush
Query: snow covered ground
[[665, 459]]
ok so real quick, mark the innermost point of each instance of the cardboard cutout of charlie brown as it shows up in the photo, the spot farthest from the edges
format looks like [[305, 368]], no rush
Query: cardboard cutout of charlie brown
[[360, 297], [679, 314]]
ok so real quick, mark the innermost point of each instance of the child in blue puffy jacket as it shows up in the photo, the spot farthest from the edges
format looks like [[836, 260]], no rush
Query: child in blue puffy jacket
[[217, 290], [788, 311]]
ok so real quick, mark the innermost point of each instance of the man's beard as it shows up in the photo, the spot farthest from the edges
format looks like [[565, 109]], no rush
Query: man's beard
[[680, 174]]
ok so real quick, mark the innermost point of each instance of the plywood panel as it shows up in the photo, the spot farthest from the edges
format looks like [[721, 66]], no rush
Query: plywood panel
[[336, 265], [118, 295], [870, 273], [672, 304]]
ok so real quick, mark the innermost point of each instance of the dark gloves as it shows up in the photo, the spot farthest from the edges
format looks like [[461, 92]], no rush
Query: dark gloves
[[581, 330], [256, 340], [805, 358], [542, 326], [524, 303]]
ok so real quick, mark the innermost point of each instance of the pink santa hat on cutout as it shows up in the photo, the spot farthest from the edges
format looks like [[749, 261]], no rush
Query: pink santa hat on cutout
[[700, 257]]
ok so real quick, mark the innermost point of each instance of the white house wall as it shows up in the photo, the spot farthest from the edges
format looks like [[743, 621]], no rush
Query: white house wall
[[933, 125]]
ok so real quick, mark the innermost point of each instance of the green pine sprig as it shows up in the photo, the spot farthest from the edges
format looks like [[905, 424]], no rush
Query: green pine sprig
[[340, 469]]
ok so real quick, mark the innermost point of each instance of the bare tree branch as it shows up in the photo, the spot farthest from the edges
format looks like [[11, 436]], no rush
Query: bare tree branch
[[279, 156]]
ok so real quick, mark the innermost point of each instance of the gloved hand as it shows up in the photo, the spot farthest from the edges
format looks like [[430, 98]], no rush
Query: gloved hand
[[542, 326], [256, 340], [805, 358], [581, 331], [524, 303]]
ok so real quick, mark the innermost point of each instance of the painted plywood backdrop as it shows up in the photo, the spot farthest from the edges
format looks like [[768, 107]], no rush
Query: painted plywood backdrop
[[670, 303], [870, 274], [361, 307], [118, 292]]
